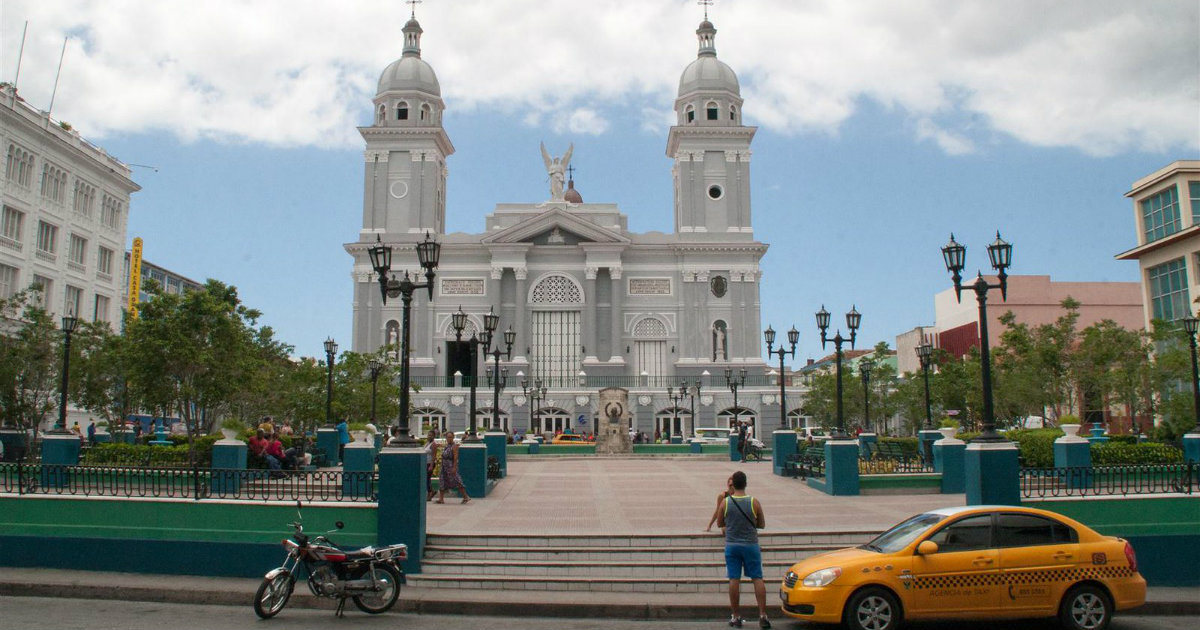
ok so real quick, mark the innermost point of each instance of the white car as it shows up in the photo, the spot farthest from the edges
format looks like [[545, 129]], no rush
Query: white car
[[712, 435]]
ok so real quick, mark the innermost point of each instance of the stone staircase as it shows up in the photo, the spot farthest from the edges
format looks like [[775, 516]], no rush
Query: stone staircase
[[678, 563]]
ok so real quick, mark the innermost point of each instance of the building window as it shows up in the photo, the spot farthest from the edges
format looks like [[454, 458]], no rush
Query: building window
[[71, 299], [1169, 290], [85, 198], [12, 225], [100, 312], [426, 112], [430, 419], [401, 111], [54, 183], [733, 114], [111, 212], [1160, 215], [77, 252], [43, 286], [47, 238], [19, 167], [8, 281], [713, 112], [104, 257], [689, 114], [1194, 194]]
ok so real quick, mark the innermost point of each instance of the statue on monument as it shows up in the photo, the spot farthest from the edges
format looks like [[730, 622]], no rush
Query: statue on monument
[[556, 169]]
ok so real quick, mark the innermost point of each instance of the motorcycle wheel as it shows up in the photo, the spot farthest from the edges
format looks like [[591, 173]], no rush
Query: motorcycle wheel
[[380, 601], [272, 595]]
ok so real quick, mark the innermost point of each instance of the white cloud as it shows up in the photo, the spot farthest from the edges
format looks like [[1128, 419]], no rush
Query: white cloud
[[1103, 76]]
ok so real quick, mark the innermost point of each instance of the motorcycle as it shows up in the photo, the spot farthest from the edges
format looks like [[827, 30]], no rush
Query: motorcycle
[[370, 577]]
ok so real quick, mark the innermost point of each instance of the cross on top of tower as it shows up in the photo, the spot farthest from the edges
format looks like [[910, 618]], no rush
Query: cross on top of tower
[[571, 172], [705, 4], [414, 3]]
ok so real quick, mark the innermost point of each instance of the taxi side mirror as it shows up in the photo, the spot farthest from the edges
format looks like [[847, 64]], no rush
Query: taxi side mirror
[[927, 548]]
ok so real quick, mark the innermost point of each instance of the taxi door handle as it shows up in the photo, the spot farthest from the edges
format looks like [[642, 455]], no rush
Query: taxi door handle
[[982, 561], [1062, 555]]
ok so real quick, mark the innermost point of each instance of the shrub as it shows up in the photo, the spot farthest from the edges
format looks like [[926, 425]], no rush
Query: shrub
[[1117, 454], [117, 454], [1123, 439]]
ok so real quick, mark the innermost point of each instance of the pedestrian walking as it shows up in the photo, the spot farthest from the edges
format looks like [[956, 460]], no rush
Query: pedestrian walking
[[742, 439], [742, 516], [448, 479], [343, 431], [431, 454]]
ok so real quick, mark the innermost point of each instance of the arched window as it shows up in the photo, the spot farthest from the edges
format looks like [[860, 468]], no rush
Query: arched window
[[650, 347], [733, 113], [689, 114], [726, 417], [552, 420], [798, 420], [429, 418], [713, 112], [555, 329], [556, 289], [484, 421], [673, 421], [402, 110], [426, 112]]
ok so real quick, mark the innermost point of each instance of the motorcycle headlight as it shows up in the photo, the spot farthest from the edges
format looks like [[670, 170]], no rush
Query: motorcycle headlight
[[823, 577]]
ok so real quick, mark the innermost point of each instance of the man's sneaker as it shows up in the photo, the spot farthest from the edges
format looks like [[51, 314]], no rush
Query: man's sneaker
[[735, 621], [764, 623]]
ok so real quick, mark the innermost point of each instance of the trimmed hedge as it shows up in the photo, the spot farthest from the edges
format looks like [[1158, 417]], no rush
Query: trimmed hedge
[[1117, 454]]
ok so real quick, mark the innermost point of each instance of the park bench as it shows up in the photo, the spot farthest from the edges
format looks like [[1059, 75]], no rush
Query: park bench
[[895, 450], [807, 463]]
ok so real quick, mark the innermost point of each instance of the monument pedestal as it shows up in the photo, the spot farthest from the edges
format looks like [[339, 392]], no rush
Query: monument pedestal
[[497, 446], [948, 459], [402, 501], [472, 468], [228, 462], [992, 473], [327, 440], [785, 445], [358, 469]]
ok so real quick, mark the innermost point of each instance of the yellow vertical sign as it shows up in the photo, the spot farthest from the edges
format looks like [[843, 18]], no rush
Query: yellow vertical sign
[[135, 276]]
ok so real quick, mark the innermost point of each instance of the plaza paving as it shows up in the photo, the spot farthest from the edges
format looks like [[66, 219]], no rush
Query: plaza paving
[[658, 495]]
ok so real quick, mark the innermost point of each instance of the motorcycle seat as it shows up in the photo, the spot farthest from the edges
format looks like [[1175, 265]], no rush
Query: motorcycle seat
[[360, 554]]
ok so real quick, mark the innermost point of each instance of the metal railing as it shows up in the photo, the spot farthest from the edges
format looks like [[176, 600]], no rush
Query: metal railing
[[1110, 480], [887, 465], [188, 483]]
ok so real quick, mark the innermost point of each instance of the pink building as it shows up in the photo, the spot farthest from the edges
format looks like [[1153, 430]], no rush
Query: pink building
[[1034, 300]]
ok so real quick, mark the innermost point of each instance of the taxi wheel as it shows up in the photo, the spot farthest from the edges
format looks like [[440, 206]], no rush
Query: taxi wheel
[[1085, 607], [872, 609]]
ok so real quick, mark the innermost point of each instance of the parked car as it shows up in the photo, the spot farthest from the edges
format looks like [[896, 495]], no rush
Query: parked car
[[712, 435], [570, 438], [989, 562]]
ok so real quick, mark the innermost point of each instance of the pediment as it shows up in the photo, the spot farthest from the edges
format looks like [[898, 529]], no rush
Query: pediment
[[555, 227]]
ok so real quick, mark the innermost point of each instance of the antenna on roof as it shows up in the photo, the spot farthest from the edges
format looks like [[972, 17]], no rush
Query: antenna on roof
[[56, 75], [20, 55], [153, 168], [413, 4], [705, 4]]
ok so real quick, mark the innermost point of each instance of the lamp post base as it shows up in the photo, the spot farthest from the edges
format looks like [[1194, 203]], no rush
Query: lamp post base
[[992, 472], [785, 445]]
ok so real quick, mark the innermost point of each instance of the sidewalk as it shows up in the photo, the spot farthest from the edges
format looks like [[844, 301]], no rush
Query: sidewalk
[[240, 592]]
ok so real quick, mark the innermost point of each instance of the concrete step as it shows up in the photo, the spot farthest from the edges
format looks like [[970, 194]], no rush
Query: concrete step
[[612, 554], [617, 569], [587, 583], [706, 539]]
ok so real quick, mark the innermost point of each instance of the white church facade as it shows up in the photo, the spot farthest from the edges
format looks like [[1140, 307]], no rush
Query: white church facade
[[593, 305]]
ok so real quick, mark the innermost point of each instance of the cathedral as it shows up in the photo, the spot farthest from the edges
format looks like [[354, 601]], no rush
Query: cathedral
[[592, 304]]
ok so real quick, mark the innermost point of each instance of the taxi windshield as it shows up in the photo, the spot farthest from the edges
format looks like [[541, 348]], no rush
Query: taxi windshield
[[902, 535]]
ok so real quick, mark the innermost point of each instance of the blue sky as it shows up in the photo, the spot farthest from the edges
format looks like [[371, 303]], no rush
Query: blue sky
[[881, 130]]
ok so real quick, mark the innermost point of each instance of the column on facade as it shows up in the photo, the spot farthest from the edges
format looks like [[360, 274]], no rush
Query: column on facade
[[703, 332], [591, 337], [737, 286], [617, 317], [521, 298]]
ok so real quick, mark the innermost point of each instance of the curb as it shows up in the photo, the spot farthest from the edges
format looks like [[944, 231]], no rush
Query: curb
[[452, 602]]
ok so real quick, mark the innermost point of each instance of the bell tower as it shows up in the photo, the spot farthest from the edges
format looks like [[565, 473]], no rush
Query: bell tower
[[710, 146], [404, 187]]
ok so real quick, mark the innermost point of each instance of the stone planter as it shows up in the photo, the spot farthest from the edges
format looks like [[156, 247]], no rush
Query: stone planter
[[948, 433], [1070, 433]]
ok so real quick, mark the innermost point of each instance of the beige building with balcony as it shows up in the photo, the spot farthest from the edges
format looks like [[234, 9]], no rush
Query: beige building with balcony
[[1166, 211]]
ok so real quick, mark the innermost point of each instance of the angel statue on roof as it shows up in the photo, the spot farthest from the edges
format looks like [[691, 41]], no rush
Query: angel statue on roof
[[556, 169]]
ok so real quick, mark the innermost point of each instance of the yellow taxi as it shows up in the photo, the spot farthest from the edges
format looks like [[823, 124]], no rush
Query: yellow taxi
[[569, 438], [996, 562]]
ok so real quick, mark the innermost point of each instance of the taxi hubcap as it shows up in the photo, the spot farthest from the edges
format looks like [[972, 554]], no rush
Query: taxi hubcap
[[874, 613], [1088, 611]]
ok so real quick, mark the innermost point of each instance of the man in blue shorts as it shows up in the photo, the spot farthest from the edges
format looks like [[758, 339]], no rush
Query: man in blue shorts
[[742, 517]]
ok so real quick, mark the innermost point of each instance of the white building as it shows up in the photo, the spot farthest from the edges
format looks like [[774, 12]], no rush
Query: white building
[[593, 305], [65, 210]]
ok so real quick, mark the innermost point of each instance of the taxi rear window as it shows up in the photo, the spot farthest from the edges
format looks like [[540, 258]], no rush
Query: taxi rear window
[[1028, 530]]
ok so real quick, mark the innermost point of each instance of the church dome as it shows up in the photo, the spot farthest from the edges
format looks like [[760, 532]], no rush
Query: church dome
[[570, 194], [707, 73], [410, 72]]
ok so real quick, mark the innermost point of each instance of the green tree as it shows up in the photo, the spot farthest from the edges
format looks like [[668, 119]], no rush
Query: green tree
[[98, 374], [30, 360], [1113, 364]]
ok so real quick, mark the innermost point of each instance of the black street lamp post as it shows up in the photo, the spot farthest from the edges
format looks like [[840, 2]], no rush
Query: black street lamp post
[[459, 322], [864, 372], [676, 398], [69, 322], [793, 338], [535, 397], [693, 393], [375, 367], [735, 383], [1190, 326], [925, 354], [498, 378], [853, 320], [331, 349], [1000, 255], [428, 252]]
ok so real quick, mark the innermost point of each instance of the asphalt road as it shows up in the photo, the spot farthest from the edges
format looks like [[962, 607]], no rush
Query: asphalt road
[[36, 613]]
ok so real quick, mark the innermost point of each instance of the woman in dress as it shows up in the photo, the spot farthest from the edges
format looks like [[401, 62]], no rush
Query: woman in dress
[[449, 479]]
